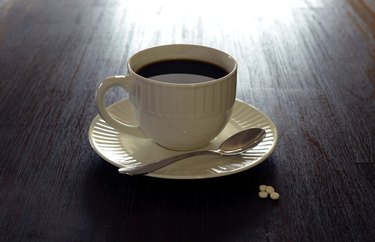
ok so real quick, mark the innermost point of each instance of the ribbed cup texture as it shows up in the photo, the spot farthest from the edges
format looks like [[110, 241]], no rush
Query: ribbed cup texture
[[184, 101]]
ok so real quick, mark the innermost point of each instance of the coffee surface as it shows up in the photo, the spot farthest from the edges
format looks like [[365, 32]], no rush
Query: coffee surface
[[182, 71]]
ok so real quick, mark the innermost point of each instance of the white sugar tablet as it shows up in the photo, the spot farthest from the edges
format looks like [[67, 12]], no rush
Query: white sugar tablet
[[270, 189], [274, 196], [263, 194]]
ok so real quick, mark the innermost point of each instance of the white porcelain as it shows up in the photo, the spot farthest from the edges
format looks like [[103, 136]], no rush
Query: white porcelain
[[179, 116], [122, 149]]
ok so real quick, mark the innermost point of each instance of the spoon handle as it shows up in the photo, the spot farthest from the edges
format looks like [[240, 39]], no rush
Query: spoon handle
[[156, 165]]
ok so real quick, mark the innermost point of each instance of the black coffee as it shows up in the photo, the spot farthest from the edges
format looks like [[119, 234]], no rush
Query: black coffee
[[182, 71]]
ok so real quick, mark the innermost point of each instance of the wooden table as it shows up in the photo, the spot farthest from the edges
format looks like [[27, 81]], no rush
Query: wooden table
[[309, 65]]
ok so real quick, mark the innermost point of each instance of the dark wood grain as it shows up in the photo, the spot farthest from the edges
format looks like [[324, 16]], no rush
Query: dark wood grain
[[308, 64]]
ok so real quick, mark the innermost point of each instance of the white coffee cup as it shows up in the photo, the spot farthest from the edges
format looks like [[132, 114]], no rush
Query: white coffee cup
[[179, 114]]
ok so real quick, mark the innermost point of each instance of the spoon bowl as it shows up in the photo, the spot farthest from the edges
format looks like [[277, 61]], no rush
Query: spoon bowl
[[241, 141], [234, 145]]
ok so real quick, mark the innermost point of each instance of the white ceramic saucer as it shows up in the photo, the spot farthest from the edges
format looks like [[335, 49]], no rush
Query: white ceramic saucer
[[121, 149]]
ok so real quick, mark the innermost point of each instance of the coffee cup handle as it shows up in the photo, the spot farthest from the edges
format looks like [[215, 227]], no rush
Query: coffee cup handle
[[125, 83]]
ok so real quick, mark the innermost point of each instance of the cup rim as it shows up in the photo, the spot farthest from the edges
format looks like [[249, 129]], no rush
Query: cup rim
[[230, 73]]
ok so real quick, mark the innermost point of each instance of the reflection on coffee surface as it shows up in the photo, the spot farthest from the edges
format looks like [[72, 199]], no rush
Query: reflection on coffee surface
[[182, 71]]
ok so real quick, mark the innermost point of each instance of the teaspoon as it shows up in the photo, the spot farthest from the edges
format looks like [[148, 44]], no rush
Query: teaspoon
[[234, 145]]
